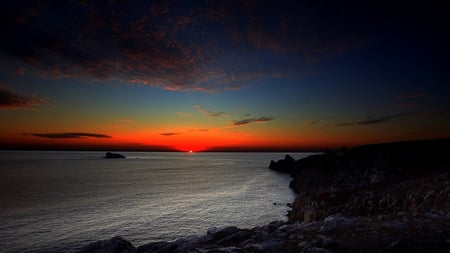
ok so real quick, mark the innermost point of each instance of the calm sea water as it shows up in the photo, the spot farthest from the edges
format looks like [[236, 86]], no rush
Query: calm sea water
[[61, 201]]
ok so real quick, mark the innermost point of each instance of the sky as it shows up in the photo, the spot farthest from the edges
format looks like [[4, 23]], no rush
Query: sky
[[222, 75]]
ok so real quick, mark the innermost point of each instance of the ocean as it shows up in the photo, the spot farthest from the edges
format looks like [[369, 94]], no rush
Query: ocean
[[59, 201]]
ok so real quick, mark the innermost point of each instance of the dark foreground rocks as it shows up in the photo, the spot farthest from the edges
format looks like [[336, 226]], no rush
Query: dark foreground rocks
[[420, 232], [391, 197]]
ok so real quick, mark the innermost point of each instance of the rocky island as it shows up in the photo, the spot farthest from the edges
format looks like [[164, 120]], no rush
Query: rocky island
[[392, 197], [111, 155]]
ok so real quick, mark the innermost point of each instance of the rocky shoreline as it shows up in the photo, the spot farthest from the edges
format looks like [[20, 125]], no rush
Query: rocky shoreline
[[391, 197]]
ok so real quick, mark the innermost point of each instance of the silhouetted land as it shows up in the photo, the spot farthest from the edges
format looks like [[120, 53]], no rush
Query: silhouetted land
[[392, 197]]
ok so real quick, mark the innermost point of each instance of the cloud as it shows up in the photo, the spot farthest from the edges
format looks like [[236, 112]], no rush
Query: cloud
[[310, 122], [69, 135], [376, 120], [169, 134], [11, 100], [316, 123], [19, 72], [248, 121], [199, 130], [145, 43], [208, 112], [207, 47], [184, 114], [409, 96], [125, 120]]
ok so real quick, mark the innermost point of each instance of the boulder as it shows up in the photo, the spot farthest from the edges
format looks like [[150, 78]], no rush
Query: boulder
[[116, 244], [220, 233], [157, 247]]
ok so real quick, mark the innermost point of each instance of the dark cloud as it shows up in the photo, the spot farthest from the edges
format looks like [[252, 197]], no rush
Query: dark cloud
[[251, 120], [207, 46], [70, 135], [11, 100], [160, 44], [169, 134], [208, 112], [376, 120]]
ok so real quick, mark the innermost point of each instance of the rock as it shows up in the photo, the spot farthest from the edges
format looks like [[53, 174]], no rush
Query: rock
[[113, 155], [114, 245], [274, 245], [236, 238], [327, 241], [286, 165], [337, 221], [315, 250], [157, 247], [396, 224], [221, 233], [398, 247]]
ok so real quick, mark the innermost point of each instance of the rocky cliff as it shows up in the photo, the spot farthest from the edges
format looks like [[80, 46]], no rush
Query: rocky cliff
[[378, 198], [372, 180]]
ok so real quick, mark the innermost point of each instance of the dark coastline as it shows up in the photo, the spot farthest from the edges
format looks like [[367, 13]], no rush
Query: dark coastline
[[392, 197]]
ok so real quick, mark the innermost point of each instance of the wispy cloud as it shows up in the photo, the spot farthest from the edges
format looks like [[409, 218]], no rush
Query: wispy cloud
[[310, 122], [68, 135], [316, 123], [376, 120], [184, 114], [248, 121], [208, 112], [122, 123], [409, 96], [199, 130], [11, 100], [19, 72], [169, 134], [125, 120]]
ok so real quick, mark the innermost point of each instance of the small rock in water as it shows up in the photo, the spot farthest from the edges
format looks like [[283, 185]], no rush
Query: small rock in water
[[113, 155]]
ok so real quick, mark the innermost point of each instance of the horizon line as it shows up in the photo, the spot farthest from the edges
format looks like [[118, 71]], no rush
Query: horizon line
[[262, 150], [137, 148]]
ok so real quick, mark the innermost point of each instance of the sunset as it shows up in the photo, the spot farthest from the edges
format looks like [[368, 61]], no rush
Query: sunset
[[238, 126], [221, 75]]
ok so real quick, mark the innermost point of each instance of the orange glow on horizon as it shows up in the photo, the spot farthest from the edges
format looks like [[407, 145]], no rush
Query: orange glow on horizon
[[190, 148], [194, 142], [184, 139]]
